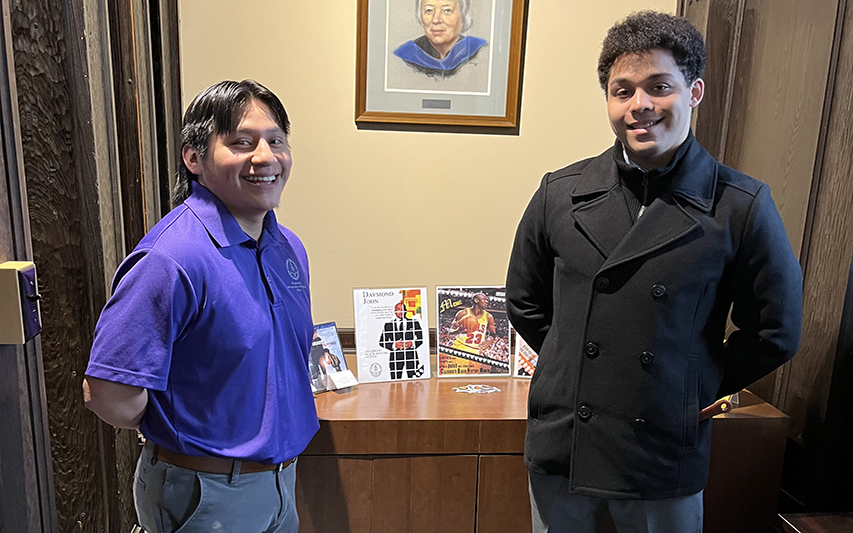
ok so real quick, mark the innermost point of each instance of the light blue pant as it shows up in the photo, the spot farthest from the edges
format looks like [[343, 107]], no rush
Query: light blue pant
[[556, 511], [171, 499]]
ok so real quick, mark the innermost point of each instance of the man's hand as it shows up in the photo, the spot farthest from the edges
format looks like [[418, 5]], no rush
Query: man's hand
[[116, 404], [716, 408]]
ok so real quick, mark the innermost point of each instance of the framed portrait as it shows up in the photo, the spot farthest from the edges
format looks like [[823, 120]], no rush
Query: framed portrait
[[445, 62]]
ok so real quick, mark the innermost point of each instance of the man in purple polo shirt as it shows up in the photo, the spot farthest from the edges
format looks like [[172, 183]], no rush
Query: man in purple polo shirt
[[204, 344]]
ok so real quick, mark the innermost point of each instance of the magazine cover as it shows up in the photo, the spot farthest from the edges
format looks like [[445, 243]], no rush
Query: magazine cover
[[391, 334], [327, 356], [473, 331], [525, 358]]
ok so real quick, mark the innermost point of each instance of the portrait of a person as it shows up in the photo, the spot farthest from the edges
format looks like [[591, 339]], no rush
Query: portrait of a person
[[402, 337], [473, 325], [330, 362], [443, 49], [318, 370]]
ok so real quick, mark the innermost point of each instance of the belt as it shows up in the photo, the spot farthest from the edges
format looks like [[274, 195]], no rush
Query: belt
[[213, 465]]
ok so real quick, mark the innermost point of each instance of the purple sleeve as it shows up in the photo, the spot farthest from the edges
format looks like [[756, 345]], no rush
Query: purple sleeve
[[152, 302]]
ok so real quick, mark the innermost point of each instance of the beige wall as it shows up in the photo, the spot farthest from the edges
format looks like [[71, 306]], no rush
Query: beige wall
[[348, 187]]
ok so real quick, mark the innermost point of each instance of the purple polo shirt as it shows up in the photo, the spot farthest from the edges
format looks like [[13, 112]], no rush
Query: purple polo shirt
[[218, 328]]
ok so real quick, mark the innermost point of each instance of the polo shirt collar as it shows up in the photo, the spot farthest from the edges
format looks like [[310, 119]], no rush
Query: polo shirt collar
[[220, 224]]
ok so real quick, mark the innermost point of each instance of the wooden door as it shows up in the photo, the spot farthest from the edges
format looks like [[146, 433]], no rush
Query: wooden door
[[26, 477]]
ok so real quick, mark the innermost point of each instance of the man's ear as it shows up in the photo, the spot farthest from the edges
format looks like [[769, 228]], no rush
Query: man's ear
[[697, 92], [192, 159]]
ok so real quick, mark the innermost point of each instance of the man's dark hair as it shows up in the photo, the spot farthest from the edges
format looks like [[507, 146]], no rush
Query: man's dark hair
[[647, 30], [217, 111]]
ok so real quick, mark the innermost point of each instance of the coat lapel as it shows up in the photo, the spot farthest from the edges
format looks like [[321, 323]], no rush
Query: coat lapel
[[663, 222], [600, 209], [601, 212]]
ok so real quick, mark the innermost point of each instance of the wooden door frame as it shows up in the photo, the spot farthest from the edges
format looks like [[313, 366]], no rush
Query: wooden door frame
[[26, 470]]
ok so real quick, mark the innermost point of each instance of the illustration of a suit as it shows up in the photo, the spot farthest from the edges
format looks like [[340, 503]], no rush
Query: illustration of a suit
[[402, 337]]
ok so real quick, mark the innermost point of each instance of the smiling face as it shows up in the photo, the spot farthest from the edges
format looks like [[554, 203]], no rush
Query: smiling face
[[649, 104], [247, 168], [442, 20]]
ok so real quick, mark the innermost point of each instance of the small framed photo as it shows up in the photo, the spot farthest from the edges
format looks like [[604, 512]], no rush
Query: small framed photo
[[444, 62]]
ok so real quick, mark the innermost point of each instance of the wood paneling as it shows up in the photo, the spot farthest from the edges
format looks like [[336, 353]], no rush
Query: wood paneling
[[748, 449], [503, 501], [127, 85], [829, 253], [26, 482], [427, 494], [166, 63], [76, 178], [421, 494], [777, 101], [787, 126], [55, 206], [334, 494], [720, 24]]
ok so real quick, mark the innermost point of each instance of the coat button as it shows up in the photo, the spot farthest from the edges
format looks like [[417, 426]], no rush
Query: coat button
[[601, 283], [584, 413], [658, 291], [639, 424], [591, 350], [647, 358]]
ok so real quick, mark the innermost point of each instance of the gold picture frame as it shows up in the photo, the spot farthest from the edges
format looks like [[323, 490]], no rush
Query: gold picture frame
[[394, 85]]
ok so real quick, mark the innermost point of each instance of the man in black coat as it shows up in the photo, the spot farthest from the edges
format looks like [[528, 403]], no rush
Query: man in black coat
[[623, 272]]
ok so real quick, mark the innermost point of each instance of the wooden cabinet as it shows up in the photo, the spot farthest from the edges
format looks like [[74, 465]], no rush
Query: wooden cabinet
[[419, 457]]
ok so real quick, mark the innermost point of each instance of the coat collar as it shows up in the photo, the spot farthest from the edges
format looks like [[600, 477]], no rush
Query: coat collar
[[602, 214], [694, 175]]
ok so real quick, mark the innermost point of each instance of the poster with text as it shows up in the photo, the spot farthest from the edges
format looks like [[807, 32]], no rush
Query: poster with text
[[473, 331], [525, 358], [391, 334]]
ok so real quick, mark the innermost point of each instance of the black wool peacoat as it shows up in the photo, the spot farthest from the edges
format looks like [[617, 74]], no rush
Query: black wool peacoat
[[629, 319]]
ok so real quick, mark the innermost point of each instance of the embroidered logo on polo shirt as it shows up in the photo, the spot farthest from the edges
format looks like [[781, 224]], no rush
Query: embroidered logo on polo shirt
[[292, 269]]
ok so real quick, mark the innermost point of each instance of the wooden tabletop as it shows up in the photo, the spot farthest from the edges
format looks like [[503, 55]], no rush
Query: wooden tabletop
[[817, 523], [430, 416], [432, 399]]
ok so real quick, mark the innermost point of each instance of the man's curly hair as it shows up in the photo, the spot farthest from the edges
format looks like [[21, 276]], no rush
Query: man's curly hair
[[647, 30]]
